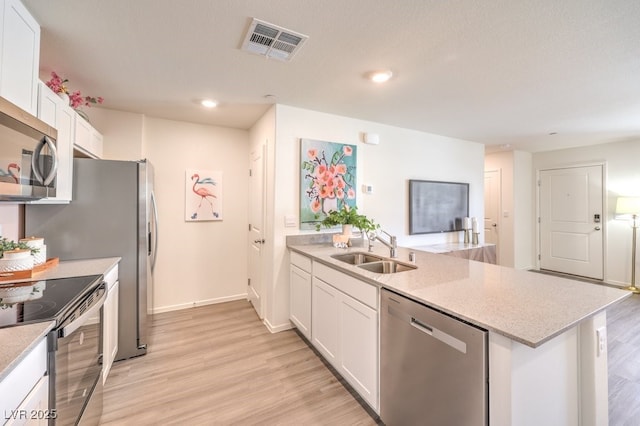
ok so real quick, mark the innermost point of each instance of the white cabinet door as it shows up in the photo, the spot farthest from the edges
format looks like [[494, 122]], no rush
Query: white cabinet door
[[87, 140], [20, 55], [19, 383], [345, 330], [55, 112], [34, 409], [359, 348], [110, 342], [324, 323], [300, 300], [96, 143]]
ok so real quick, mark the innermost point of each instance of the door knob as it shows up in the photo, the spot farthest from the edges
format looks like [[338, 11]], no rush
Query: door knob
[[597, 228], [495, 225], [259, 241]]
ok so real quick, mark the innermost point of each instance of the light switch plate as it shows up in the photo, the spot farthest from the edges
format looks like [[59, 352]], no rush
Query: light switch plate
[[290, 221]]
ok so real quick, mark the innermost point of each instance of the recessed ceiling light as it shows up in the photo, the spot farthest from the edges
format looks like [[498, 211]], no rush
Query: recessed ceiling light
[[380, 76], [208, 103]]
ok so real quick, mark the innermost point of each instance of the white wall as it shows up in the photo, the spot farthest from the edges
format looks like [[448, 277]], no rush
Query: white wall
[[122, 132], [401, 155], [516, 222], [10, 222], [198, 262], [623, 178]]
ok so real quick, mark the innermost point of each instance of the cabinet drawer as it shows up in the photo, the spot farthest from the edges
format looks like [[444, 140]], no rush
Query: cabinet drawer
[[359, 290], [19, 382], [300, 261]]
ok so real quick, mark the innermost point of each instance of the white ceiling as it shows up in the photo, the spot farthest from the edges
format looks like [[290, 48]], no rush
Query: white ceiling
[[491, 71]]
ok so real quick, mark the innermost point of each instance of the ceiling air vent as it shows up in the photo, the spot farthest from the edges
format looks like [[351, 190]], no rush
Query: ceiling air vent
[[272, 41]]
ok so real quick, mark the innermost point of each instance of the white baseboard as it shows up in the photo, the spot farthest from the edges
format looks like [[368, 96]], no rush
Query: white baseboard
[[277, 328], [199, 303]]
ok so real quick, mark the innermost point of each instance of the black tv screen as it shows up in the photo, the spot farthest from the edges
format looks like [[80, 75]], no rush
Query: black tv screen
[[437, 206]]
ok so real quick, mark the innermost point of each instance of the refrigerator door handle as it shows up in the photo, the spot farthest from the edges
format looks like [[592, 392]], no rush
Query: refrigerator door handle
[[155, 220]]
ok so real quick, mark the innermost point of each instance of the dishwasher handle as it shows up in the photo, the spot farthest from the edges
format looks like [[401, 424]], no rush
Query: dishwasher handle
[[429, 330]]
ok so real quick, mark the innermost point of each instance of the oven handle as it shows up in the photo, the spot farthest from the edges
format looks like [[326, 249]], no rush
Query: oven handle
[[78, 322]]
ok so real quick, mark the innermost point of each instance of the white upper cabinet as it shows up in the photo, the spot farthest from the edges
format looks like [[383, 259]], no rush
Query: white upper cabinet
[[57, 113], [87, 141], [19, 55]]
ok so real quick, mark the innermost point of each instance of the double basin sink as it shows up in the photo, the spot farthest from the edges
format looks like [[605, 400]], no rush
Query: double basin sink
[[374, 263]]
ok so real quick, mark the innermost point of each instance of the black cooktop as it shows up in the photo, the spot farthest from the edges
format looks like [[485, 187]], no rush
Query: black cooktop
[[44, 300]]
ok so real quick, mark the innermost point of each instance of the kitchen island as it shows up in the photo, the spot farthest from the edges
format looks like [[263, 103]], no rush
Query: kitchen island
[[545, 363]]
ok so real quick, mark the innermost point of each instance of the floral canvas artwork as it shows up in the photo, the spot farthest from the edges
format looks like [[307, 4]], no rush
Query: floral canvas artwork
[[203, 200], [327, 179]]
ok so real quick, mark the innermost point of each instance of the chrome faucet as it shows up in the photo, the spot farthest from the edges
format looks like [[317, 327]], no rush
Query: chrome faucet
[[392, 244]]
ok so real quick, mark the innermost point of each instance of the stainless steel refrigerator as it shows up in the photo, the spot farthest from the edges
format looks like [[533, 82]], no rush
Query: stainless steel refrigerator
[[113, 213]]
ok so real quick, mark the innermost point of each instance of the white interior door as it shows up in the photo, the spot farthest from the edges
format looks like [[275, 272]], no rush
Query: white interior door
[[255, 292], [492, 190], [571, 206]]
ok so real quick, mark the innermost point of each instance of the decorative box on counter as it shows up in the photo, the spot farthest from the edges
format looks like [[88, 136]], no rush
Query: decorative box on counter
[[24, 259]]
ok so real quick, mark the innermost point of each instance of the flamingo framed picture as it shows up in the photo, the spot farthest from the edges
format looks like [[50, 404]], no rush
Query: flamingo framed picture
[[203, 195], [327, 179]]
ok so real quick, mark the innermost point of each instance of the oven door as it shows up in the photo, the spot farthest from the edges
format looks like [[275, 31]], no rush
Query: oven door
[[77, 369]]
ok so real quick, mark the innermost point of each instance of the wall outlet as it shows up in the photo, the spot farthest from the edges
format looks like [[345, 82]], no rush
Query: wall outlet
[[601, 340]]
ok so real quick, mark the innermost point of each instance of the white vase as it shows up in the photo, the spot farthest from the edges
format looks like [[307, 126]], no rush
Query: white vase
[[346, 230], [65, 97]]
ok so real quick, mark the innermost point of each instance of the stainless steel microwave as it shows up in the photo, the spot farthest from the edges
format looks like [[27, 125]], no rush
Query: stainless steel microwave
[[28, 156]]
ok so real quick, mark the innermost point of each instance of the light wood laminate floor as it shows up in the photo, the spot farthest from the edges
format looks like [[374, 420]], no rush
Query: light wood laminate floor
[[218, 365], [623, 329]]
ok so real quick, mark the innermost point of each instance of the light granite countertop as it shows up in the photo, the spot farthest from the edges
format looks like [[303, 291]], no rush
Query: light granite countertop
[[528, 307], [19, 340]]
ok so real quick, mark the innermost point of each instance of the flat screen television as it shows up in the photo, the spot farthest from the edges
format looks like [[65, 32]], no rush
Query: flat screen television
[[437, 206]]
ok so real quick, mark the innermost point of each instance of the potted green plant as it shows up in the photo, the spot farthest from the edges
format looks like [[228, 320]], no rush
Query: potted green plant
[[7, 245], [348, 217]]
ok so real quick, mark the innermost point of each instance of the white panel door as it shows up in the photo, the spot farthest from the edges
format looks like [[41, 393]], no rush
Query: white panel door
[[571, 206], [492, 189], [255, 292]]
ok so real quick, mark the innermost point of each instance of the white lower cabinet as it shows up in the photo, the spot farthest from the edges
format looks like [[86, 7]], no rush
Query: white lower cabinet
[[110, 322], [359, 348], [325, 333], [345, 329], [300, 300], [24, 392], [34, 410]]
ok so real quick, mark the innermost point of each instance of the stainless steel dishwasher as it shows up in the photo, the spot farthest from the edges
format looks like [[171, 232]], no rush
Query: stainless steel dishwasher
[[433, 367]]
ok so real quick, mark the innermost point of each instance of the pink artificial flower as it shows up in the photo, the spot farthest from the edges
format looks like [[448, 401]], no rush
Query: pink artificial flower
[[340, 193], [315, 206], [347, 150], [57, 83], [75, 99], [321, 170], [341, 169], [351, 194]]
